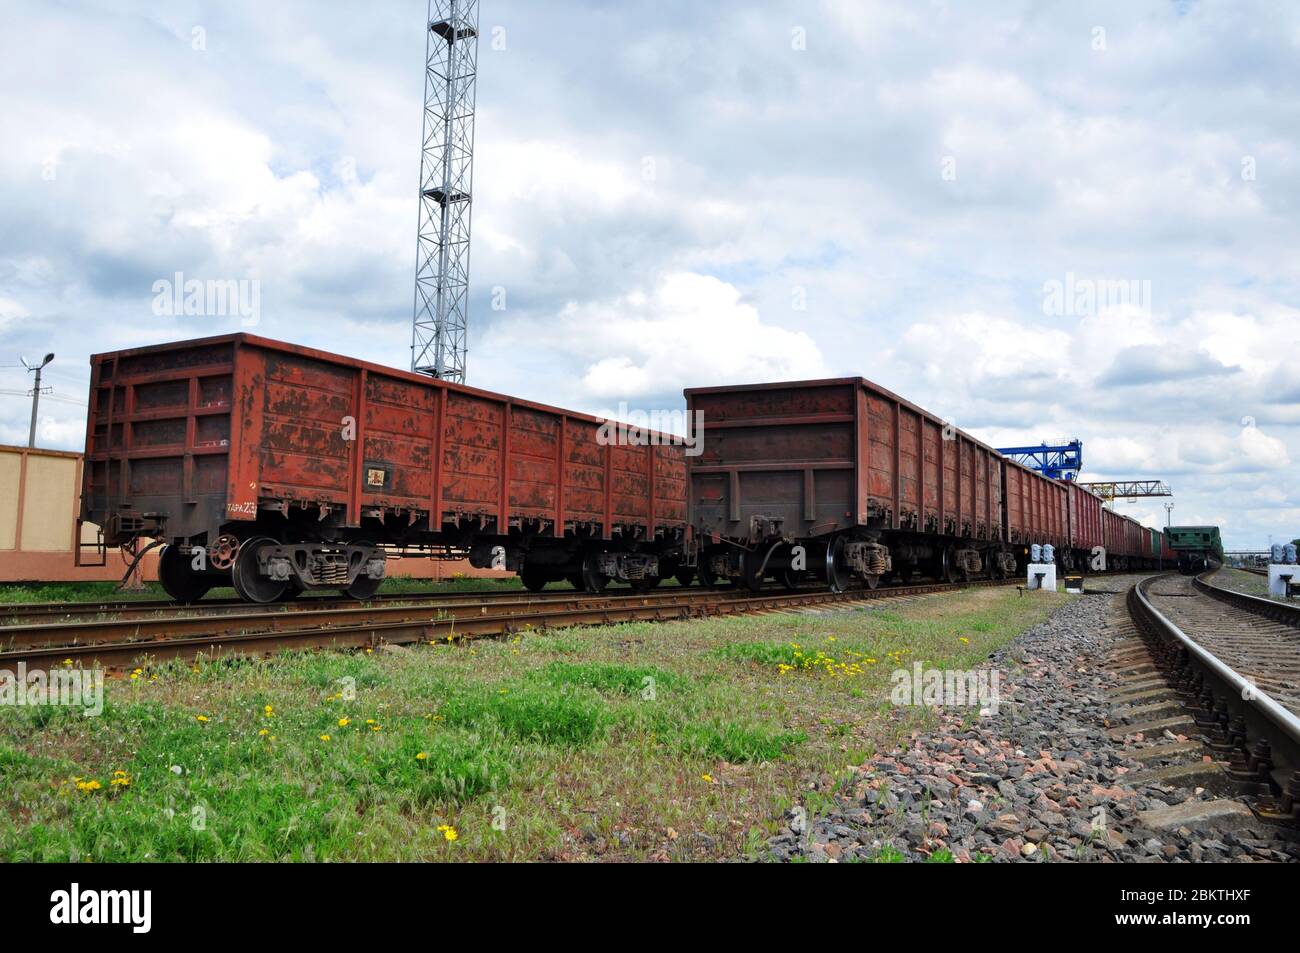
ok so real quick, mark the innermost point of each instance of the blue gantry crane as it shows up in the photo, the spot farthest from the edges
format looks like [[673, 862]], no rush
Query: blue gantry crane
[[1063, 461], [1060, 461]]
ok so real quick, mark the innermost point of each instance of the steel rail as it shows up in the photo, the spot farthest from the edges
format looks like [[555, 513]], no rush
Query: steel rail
[[339, 630], [11, 613], [104, 631], [1288, 613], [1263, 715]]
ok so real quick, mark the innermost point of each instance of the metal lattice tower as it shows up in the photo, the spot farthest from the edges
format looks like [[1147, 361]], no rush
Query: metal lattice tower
[[438, 343]]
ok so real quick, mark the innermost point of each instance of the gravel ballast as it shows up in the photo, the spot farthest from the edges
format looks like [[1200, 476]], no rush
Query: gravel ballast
[[1037, 779]]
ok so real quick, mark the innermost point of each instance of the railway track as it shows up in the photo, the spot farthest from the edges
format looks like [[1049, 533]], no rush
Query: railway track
[[1222, 667], [144, 609], [122, 643]]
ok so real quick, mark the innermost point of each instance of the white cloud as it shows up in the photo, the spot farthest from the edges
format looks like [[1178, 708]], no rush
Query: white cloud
[[689, 328]]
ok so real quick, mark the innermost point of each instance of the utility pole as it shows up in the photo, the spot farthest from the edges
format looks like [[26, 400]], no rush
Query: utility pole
[[36, 395], [1169, 514]]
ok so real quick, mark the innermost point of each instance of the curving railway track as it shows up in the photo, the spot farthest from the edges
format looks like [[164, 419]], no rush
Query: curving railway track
[[1233, 661]]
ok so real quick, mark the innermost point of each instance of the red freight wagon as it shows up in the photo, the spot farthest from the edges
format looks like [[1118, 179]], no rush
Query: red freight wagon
[[1137, 546], [1112, 526], [276, 468], [1124, 547], [1085, 526], [1037, 508], [838, 478]]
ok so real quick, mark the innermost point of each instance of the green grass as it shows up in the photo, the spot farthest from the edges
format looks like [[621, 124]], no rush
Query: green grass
[[1239, 580], [544, 714], [682, 740]]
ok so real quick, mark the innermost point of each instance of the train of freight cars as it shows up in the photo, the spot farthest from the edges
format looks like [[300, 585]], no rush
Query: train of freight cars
[[275, 468]]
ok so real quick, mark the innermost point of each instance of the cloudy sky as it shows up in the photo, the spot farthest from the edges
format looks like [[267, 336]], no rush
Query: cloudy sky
[[671, 193]]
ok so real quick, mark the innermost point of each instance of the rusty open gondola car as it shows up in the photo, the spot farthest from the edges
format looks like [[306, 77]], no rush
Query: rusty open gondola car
[[276, 468], [841, 480]]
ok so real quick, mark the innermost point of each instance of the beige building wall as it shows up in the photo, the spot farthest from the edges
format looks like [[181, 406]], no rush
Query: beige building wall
[[50, 503], [10, 475]]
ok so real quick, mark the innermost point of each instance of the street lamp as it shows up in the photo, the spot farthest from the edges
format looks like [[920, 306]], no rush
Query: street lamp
[[36, 395], [1169, 513]]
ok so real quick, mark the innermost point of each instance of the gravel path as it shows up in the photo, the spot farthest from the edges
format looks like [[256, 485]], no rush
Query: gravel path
[[1037, 780]]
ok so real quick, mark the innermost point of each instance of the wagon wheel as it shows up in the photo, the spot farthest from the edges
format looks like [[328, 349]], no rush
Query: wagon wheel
[[363, 587], [250, 584], [872, 581], [751, 566], [534, 579], [593, 580], [948, 571], [791, 578], [178, 578], [837, 574]]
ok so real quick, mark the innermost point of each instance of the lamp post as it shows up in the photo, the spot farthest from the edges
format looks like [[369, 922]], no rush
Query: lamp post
[[1169, 514], [36, 395]]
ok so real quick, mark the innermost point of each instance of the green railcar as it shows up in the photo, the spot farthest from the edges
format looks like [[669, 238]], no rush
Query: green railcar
[[1197, 547]]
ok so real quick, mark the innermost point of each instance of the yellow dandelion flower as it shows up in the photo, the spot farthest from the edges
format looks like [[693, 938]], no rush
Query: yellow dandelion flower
[[963, 640], [324, 737], [264, 732], [708, 778], [200, 717], [268, 711], [344, 722], [67, 661], [422, 756]]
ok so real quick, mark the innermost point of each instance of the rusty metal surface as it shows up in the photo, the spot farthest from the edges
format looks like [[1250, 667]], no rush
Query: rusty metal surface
[[828, 455], [1085, 517], [1037, 508], [1124, 536], [210, 430]]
